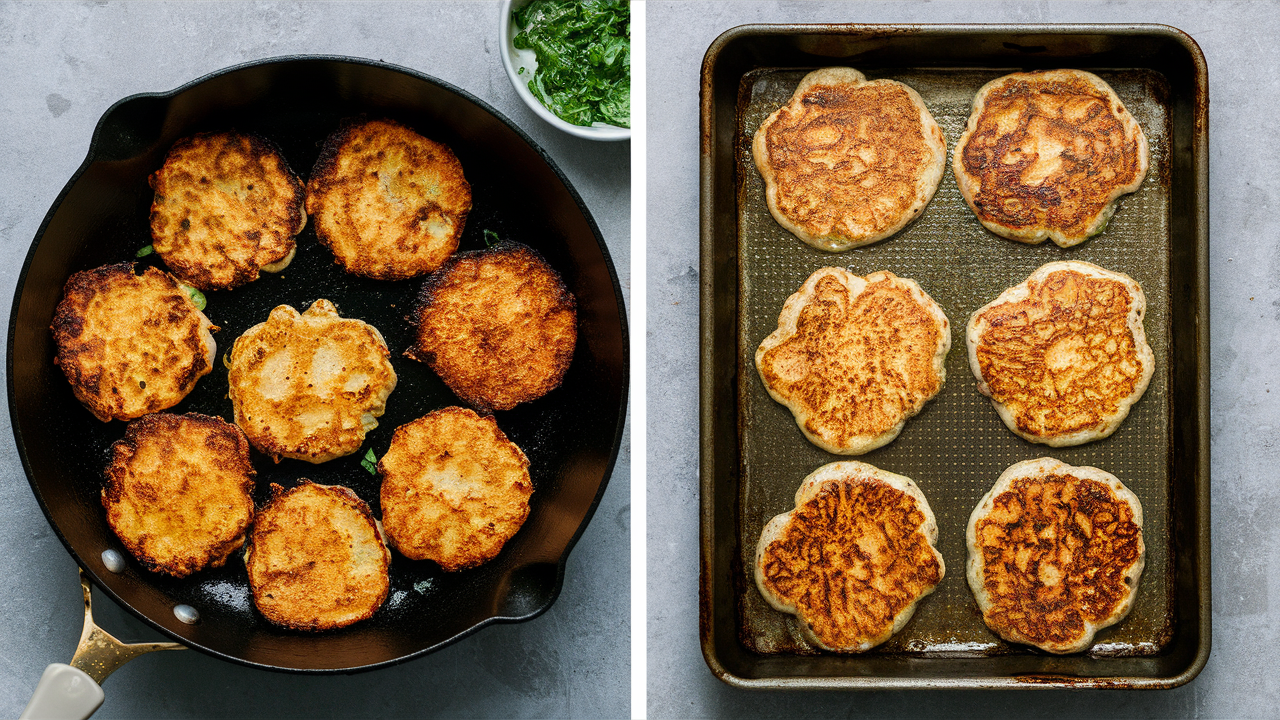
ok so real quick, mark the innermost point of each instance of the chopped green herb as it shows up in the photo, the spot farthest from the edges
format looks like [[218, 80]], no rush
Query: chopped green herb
[[491, 238], [370, 462], [145, 251], [584, 58], [196, 296]]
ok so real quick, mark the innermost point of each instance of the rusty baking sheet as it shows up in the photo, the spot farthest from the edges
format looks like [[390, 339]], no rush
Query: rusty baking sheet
[[754, 457]]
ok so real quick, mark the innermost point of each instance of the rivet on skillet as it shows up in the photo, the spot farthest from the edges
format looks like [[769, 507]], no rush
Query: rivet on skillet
[[113, 560], [186, 614]]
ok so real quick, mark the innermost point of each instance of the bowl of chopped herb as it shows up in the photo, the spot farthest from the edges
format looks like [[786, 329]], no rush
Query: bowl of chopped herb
[[570, 61]]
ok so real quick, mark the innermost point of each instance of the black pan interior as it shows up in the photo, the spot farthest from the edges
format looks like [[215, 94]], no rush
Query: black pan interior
[[571, 435]]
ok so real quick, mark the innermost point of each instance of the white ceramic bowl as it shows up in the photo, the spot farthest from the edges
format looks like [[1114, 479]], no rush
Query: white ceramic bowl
[[513, 60]]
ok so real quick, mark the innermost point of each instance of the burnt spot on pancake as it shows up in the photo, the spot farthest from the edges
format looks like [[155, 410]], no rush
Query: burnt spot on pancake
[[1047, 154], [847, 161], [850, 560], [853, 359], [1064, 361], [1057, 557]]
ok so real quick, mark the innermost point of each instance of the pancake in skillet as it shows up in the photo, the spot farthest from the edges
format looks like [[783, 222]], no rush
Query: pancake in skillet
[[130, 343], [497, 325], [387, 201], [178, 491], [854, 357], [309, 386], [1063, 355], [226, 206], [317, 559], [853, 558], [849, 161], [1055, 553], [454, 488], [1047, 154]]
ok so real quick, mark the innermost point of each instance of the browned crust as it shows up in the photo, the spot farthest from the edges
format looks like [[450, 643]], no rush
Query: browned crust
[[389, 203], [853, 558], [454, 488], [1016, 193], [848, 162], [498, 326], [178, 491], [1063, 356], [226, 205], [854, 358], [1058, 557], [290, 382], [300, 562], [130, 344]]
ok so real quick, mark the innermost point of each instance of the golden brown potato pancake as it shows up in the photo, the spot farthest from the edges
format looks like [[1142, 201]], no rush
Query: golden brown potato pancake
[[454, 488], [1055, 553], [226, 206], [387, 201], [853, 558], [497, 325], [130, 343], [317, 559], [178, 491]]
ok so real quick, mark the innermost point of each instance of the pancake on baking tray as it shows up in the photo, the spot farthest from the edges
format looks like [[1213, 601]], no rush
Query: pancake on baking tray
[[1055, 553], [178, 491], [497, 325], [309, 386], [853, 558], [130, 343], [226, 206], [1063, 355], [317, 559], [854, 357], [1047, 154], [454, 488], [389, 203], [849, 161]]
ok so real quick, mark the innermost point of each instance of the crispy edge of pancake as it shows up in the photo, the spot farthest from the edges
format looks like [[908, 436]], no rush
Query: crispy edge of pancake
[[787, 329], [927, 183], [249, 407], [1020, 292], [970, 186], [197, 271], [283, 613], [404, 471], [225, 458], [974, 567], [478, 370], [84, 372], [330, 194], [811, 487]]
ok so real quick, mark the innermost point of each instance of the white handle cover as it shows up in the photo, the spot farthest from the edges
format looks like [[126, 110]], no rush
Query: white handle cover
[[64, 693]]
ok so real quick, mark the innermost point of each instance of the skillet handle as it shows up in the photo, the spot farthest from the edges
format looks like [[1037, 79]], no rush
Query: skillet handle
[[64, 693]]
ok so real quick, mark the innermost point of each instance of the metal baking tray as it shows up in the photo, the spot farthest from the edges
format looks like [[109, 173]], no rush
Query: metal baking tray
[[754, 456]]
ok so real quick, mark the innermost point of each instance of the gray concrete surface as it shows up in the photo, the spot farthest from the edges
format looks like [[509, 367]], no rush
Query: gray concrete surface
[[63, 65], [1240, 679]]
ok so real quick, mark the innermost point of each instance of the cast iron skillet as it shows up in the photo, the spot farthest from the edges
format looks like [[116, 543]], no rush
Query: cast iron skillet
[[571, 435]]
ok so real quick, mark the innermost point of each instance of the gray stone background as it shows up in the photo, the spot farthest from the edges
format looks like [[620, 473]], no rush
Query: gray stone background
[[1238, 40], [61, 66]]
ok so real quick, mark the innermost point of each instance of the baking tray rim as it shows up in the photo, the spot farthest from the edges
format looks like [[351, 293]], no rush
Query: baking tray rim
[[1199, 215]]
